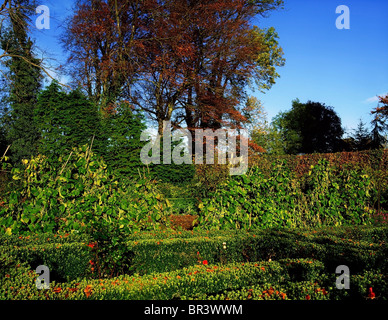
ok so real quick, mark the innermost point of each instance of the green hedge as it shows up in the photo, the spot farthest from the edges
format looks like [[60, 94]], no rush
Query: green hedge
[[171, 254], [322, 288], [284, 279], [67, 261], [326, 196], [190, 281], [69, 257]]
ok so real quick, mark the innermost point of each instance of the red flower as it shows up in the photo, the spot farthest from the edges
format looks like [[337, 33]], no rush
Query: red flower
[[91, 245], [308, 297], [371, 294], [91, 262], [204, 262]]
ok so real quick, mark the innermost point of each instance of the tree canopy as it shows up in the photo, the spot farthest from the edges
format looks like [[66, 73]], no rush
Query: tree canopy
[[310, 127]]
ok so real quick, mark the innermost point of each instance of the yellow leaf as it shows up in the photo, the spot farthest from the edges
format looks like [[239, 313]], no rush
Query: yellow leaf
[[8, 231], [168, 203]]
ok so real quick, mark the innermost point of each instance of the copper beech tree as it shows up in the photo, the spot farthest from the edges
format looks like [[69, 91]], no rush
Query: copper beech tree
[[189, 62]]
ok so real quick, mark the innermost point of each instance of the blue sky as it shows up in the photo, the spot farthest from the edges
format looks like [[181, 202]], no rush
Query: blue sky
[[344, 69]]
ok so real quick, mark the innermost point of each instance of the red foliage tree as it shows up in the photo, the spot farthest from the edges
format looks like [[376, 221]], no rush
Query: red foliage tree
[[185, 61]]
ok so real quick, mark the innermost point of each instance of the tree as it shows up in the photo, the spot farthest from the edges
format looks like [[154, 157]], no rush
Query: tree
[[262, 133], [25, 81], [66, 120], [377, 140], [105, 41], [310, 127], [381, 112], [185, 61], [362, 138], [122, 131], [380, 123], [3, 141]]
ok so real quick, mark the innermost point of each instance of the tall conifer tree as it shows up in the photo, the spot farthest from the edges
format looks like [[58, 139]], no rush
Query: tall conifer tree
[[25, 82]]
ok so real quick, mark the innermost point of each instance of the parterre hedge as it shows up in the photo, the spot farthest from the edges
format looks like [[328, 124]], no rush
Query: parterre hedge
[[283, 279], [71, 257]]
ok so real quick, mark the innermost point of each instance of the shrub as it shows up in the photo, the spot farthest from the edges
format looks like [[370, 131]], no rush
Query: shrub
[[83, 192], [281, 199]]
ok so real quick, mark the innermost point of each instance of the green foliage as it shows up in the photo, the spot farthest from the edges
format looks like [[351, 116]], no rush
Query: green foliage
[[256, 280], [172, 173], [341, 197], [310, 127], [278, 197], [65, 120], [82, 192], [171, 265], [208, 177], [25, 81], [66, 261], [122, 130]]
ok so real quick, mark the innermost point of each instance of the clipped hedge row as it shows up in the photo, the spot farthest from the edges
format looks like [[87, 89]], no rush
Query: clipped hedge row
[[359, 248], [67, 261], [42, 238], [69, 258], [198, 279], [321, 288], [256, 280]]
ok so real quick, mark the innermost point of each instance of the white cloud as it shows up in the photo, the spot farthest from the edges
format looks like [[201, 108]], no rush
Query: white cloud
[[375, 98]]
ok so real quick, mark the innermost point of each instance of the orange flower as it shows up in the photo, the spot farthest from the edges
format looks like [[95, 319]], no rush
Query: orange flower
[[88, 291], [204, 262], [178, 277], [57, 290], [72, 290], [262, 268]]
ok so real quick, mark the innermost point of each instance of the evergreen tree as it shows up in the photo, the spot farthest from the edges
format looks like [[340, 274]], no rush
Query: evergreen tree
[[25, 82], [3, 141], [49, 115], [65, 120], [377, 139], [362, 138], [122, 130]]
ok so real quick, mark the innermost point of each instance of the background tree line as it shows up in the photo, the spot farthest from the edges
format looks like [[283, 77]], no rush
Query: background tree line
[[141, 62]]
